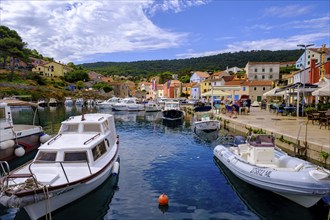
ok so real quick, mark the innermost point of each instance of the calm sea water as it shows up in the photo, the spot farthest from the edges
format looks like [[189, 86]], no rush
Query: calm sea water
[[157, 158]]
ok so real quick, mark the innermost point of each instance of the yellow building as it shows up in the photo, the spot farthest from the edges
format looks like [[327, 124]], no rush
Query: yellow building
[[52, 69]]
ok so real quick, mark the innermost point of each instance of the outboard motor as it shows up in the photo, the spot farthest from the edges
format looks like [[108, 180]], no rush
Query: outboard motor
[[239, 140]]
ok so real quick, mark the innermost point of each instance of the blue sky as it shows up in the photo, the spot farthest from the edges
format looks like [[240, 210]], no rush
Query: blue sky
[[84, 31]]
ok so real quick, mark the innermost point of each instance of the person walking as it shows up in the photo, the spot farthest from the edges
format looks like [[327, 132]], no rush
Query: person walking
[[248, 103]]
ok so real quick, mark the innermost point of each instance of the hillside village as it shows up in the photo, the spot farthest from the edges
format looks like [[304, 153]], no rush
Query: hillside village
[[257, 78]]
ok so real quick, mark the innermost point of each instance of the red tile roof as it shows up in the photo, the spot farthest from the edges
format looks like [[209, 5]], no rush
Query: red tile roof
[[261, 83]]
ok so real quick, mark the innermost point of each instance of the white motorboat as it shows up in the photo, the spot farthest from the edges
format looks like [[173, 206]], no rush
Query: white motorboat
[[109, 103], [172, 111], [68, 101], [152, 107], [79, 102], [204, 121], [76, 161], [17, 140], [42, 103], [259, 162], [128, 104], [52, 102]]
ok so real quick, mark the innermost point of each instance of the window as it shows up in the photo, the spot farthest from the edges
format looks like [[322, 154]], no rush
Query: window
[[264, 88], [255, 70], [2, 114], [255, 88], [263, 70], [92, 128], [75, 156], [98, 151], [271, 70], [46, 156], [69, 128], [244, 88], [270, 76], [255, 77], [263, 77]]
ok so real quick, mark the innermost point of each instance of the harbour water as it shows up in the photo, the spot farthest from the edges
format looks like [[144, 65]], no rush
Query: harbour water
[[157, 158]]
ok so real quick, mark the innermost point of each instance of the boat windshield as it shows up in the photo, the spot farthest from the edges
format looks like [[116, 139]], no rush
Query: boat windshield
[[46, 156], [262, 140], [65, 128], [75, 156]]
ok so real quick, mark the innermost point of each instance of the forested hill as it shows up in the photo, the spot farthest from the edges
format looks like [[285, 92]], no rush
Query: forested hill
[[185, 66]]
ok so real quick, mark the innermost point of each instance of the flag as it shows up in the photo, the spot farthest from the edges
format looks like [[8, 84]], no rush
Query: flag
[[168, 84], [154, 85]]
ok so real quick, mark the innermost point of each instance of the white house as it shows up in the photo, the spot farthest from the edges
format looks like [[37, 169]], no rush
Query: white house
[[199, 76]]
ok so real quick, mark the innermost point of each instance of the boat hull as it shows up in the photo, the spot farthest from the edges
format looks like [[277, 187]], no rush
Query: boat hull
[[173, 115], [207, 126], [61, 197], [298, 186], [128, 108]]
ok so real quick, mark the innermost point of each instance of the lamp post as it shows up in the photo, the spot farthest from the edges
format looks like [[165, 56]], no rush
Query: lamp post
[[303, 78]]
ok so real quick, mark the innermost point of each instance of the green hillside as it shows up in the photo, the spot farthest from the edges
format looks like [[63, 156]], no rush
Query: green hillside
[[185, 66]]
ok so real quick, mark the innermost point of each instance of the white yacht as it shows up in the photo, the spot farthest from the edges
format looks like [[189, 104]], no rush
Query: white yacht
[[109, 103], [128, 104]]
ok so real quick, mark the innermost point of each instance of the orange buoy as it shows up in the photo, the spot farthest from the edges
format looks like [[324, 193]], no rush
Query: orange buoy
[[163, 199]]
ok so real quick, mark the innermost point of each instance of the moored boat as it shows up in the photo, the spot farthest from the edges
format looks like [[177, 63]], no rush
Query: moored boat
[[152, 107], [52, 102], [76, 161], [128, 104], [172, 111], [42, 103], [17, 140], [260, 163], [109, 103], [68, 101], [204, 121]]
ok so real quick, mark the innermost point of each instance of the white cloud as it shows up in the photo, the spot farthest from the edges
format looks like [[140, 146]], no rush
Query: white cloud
[[265, 44], [70, 31], [172, 5], [287, 11]]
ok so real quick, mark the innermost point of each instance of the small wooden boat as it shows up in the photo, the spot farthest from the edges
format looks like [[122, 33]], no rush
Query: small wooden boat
[[260, 163], [76, 161]]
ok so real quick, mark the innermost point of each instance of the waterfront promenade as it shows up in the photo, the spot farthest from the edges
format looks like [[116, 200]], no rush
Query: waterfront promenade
[[317, 139]]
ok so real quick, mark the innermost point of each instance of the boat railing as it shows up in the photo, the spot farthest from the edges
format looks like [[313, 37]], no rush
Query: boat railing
[[4, 168], [92, 138], [54, 139], [61, 164]]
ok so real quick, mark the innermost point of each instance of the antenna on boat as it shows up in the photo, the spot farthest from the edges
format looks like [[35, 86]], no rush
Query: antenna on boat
[[82, 111]]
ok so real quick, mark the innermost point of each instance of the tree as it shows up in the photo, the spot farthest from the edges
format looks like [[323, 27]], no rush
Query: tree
[[102, 85], [77, 75], [80, 85], [12, 46]]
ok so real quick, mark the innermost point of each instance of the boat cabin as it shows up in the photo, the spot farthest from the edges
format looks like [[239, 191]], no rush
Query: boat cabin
[[80, 141], [260, 149]]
